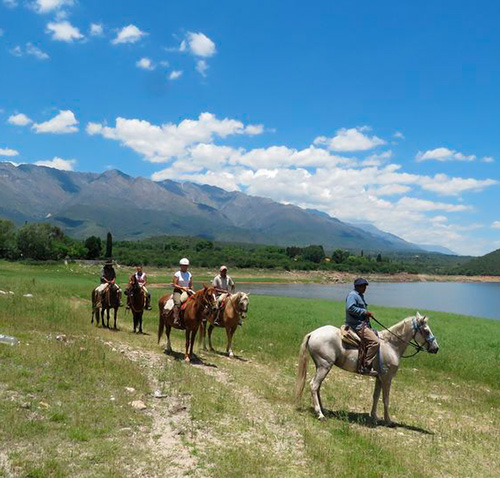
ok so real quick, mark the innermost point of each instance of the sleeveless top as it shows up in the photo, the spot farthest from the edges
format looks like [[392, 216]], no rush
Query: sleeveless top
[[184, 278]]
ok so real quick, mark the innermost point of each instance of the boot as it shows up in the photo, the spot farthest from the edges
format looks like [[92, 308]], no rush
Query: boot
[[177, 320], [217, 317], [148, 302]]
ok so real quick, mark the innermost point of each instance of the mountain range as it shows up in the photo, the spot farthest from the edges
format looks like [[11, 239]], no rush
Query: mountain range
[[85, 204]]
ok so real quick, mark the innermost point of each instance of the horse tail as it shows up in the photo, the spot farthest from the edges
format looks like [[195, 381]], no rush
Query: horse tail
[[302, 371]]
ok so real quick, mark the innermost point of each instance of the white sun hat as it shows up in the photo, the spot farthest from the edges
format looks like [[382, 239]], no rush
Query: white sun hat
[[184, 261]]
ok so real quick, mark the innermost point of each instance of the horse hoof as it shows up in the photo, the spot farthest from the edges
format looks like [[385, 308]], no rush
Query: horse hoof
[[187, 360], [231, 355], [321, 417], [390, 424]]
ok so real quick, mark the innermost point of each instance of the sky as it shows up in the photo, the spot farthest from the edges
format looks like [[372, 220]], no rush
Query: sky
[[377, 112]]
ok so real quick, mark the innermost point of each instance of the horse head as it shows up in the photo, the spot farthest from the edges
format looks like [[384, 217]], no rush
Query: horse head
[[209, 298], [423, 334], [243, 304]]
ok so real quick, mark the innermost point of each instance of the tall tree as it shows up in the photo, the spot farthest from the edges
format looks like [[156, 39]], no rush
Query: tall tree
[[7, 238], [109, 246], [94, 247]]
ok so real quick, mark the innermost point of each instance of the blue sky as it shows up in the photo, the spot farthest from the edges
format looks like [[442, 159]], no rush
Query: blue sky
[[381, 112]]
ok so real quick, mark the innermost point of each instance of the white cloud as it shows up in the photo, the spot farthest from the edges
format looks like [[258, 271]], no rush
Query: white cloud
[[174, 75], [33, 50], [349, 140], [398, 135], [496, 224], [443, 184], [16, 51], [128, 34], [444, 154], [8, 152], [19, 119], [202, 67], [488, 159], [47, 6], [145, 64], [377, 159], [96, 29], [58, 163], [64, 122], [198, 44], [10, 3], [64, 31], [162, 143]]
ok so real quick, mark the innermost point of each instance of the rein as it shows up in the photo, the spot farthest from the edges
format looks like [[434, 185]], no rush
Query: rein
[[418, 348]]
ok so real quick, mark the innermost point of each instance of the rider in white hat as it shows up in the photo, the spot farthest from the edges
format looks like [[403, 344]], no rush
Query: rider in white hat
[[183, 284]]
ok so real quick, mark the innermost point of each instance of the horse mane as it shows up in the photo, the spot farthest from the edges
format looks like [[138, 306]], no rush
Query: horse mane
[[397, 329]]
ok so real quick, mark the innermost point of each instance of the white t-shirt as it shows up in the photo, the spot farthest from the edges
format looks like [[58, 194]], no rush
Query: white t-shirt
[[184, 278]]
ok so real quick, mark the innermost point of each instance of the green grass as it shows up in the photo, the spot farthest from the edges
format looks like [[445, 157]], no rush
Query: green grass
[[57, 416]]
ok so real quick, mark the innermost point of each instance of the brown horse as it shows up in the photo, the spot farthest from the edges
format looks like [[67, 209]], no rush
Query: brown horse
[[200, 304], [110, 300], [137, 303], [236, 307]]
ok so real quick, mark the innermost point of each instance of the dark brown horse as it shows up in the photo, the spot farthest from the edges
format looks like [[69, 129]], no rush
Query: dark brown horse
[[198, 306], [235, 307], [137, 302], [110, 300]]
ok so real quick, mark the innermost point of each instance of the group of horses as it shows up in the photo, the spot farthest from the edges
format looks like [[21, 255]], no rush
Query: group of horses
[[324, 345], [199, 312]]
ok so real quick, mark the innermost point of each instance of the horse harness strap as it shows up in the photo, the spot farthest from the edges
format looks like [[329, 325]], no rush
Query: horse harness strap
[[418, 348]]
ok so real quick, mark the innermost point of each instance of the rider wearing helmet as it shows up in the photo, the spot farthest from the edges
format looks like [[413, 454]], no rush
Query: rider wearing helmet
[[183, 283]]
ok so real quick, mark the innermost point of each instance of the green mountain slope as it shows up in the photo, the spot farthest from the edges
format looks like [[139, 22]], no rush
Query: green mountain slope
[[488, 264]]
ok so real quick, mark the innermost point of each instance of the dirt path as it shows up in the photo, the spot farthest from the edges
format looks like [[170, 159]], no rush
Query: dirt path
[[171, 420]]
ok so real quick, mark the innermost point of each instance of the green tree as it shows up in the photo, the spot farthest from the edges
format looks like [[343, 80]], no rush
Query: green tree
[[379, 258], [339, 256], [313, 254], [7, 238], [41, 242], [94, 247], [109, 245]]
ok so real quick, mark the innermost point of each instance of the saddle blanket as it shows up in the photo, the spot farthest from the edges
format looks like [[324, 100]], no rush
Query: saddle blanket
[[349, 337], [169, 305]]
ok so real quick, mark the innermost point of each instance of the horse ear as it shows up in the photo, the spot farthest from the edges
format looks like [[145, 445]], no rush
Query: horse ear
[[418, 315], [205, 286], [248, 293], [426, 319]]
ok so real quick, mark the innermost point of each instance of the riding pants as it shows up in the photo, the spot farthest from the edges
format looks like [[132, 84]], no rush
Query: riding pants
[[371, 342]]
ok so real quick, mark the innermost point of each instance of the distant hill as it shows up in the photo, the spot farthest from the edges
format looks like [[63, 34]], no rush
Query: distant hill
[[401, 243], [488, 265], [84, 204]]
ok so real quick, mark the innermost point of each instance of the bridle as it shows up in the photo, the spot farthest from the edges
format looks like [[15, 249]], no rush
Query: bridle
[[428, 337]]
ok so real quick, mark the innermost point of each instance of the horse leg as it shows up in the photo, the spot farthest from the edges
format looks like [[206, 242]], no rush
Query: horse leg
[[186, 354], [230, 332], [139, 322], [135, 320], [168, 345], [376, 396], [322, 369], [210, 330], [193, 336], [115, 314], [386, 388]]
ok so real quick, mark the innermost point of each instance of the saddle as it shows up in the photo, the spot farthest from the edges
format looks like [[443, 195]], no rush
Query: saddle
[[349, 337]]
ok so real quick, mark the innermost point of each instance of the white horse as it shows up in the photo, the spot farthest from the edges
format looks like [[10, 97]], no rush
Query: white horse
[[326, 348]]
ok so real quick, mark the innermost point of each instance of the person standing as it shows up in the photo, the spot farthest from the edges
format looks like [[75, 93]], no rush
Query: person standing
[[358, 318], [183, 284]]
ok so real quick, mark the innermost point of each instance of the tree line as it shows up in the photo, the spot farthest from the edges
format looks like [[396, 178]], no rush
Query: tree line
[[42, 242]]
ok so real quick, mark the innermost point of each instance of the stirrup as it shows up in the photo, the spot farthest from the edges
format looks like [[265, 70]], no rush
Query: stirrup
[[369, 372]]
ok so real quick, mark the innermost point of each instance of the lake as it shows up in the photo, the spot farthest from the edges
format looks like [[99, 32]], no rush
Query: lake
[[478, 299]]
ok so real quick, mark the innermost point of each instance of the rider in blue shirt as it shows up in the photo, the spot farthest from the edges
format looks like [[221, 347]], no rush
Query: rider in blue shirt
[[357, 316]]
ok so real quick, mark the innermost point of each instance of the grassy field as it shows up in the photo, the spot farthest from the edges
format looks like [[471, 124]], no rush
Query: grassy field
[[66, 403]]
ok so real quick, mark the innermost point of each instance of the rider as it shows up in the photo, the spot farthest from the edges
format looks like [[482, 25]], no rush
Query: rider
[[142, 279], [358, 318], [183, 283], [224, 286], [108, 279]]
